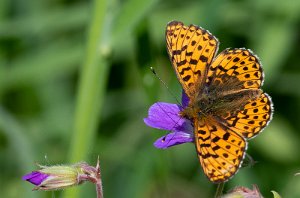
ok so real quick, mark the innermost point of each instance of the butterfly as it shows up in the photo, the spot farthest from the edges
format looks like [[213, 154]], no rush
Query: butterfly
[[226, 103]]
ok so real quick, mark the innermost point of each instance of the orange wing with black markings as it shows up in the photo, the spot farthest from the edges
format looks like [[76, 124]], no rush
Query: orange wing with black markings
[[191, 50], [220, 150], [242, 68], [238, 63], [253, 118]]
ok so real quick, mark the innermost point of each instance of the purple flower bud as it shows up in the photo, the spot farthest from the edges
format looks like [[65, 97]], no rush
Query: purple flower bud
[[60, 177]]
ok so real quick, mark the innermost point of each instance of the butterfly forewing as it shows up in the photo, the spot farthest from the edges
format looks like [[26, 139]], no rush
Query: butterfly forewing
[[191, 50], [240, 64]]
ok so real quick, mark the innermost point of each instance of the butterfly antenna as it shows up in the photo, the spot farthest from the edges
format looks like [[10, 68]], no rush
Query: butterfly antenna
[[175, 121], [157, 76]]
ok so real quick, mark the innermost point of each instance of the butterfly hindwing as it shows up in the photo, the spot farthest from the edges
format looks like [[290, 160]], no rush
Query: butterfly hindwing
[[253, 118]]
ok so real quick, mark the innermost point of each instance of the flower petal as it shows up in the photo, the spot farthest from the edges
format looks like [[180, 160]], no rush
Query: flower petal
[[173, 139], [184, 99], [164, 116], [35, 177]]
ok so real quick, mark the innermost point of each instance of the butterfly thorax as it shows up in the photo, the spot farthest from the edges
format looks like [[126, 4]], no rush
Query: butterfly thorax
[[212, 102], [197, 108]]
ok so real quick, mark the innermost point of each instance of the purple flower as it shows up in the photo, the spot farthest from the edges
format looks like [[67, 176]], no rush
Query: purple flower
[[166, 116]]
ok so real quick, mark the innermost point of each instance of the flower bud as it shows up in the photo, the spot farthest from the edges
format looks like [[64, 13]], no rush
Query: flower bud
[[243, 192], [60, 177]]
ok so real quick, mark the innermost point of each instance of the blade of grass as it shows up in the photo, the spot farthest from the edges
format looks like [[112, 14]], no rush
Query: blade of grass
[[91, 90]]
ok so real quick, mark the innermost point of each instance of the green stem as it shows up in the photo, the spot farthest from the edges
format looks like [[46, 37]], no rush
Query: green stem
[[92, 84], [219, 190]]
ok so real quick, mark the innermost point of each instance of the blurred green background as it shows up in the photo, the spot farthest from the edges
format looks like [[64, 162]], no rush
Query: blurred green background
[[75, 83]]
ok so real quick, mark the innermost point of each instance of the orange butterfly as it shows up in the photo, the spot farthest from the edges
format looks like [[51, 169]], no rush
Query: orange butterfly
[[226, 104]]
